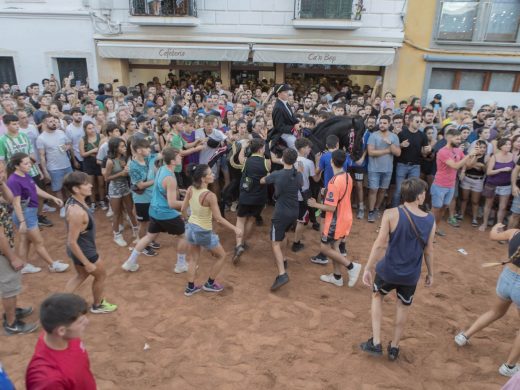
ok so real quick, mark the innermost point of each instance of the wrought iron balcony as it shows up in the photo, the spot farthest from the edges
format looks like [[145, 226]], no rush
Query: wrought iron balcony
[[169, 8], [323, 9]]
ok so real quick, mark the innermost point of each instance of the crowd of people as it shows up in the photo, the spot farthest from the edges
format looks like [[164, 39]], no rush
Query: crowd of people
[[177, 157]]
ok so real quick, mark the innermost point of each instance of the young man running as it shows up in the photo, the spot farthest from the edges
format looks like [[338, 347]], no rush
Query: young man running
[[287, 183], [164, 217], [60, 360], [338, 221], [405, 237], [81, 242]]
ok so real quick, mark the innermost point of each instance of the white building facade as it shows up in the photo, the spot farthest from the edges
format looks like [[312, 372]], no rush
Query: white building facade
[[132, 41]]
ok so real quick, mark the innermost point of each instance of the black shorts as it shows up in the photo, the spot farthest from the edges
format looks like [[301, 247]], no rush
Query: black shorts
[[92, 259], [173, 226], [279, 228], [303, 212], [358, 173], [404, 293], [249, 210], [91, 167], [141, 211]]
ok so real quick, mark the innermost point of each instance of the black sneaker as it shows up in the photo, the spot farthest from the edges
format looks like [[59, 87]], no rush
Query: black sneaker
[[44, 221], [20, 327], [155, 245], [21, 312], [393, 352], [238, 252], [320, 258], [316, 226], [280, 281], [149, 251], [297, 246], [369, 347], [371, 216], [343, 249]]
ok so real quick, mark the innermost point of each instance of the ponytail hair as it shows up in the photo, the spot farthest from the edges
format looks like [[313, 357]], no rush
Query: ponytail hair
[[15, 160], [197, 172], [514, 258]]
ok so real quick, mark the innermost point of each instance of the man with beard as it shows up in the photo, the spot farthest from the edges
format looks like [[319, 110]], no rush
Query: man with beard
[[285, 124], [449, 160], [308, 105], [75, 133]]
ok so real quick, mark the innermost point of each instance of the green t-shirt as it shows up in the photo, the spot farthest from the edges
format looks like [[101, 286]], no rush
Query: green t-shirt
[[177, 142], [19, 144]]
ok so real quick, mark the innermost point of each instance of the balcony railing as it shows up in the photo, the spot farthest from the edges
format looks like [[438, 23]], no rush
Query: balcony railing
[[323, 9], [163, 8]]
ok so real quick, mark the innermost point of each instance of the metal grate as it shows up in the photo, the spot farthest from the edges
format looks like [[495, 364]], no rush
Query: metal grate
[[163, 8], [324, 9]]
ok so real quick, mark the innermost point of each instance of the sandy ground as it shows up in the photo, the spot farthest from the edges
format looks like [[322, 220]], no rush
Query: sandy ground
[[306, 336]]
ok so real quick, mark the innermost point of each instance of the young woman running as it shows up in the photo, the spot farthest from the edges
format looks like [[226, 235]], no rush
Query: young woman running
[[199, 230], [88, 148], [507, 291], [116, 174], [25, 215]]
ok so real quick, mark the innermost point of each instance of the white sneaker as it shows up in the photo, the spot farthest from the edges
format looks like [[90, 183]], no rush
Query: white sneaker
[[93, 206], [48, 209], [30, 269], [331, 279], [119, 240], [507, 371], [110, 213], [130, 267], [353, 274], [461, 339], [62, 212], [180, 268], [234, 206], [103, 205], [58, 266]]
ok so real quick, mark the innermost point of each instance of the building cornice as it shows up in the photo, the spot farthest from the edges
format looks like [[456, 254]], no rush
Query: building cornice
[[44, 14]]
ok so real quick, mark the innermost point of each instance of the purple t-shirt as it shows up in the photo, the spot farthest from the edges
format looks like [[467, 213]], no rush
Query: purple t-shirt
[[25, 188]]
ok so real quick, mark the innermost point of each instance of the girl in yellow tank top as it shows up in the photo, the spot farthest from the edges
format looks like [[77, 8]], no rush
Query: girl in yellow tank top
[[199, 230]]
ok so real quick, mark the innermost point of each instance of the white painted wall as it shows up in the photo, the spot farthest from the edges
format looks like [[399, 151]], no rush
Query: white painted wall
[[449, 96]]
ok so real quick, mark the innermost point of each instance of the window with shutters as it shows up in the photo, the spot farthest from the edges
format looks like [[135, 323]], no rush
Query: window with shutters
[[7, 71]]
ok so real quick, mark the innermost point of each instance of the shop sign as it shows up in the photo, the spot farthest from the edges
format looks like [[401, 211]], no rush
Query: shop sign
[[171, 53], [321, 58]]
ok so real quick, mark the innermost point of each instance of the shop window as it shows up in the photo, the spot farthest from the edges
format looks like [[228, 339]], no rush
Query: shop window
[[479, 21], [324, 9], [78, 66], [163, 8], [7, 71]]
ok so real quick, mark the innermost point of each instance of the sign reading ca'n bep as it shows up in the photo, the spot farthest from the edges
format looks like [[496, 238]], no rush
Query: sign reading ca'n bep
[[320, 58]]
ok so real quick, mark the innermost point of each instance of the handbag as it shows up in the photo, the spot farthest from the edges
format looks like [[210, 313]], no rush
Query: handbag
[[247, 182], [407, 213]]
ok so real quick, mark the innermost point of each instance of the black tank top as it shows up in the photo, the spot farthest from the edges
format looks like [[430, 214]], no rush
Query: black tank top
[[514, 244], [475, 171], [87, 238]]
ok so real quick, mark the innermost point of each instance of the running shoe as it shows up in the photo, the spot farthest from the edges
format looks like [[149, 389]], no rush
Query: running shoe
[[215, 287], [48, 209], [360, 213], [474, 222], [155, 245], [320, 258], [20, 313], [297, 246], [44, 221], [93, 206], [103, 206], [461, 339], [280, 281], [331, 279], [130, 267], [110, 213], [453, 222], [19, 327], [238, 252], [58, 266], [30, 269], [316, 226], [369, 347], [62, 212], [460, 217], [119, 240], [343, 249], [353, 274], [508, 371], [440, 233], [180, 268], [103, 308], [149, 251], [371, 216], [393, 352], [190, 291]]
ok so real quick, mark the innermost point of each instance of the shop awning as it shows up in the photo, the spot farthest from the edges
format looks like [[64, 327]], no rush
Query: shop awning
[[174, 51], [321, 55]]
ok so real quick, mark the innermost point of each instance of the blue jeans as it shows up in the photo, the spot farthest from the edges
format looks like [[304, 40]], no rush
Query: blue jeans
[[403, 172]]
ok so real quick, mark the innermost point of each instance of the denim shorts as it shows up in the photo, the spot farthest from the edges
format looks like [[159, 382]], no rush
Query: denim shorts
[[441, 196], [377, 180], [508, 286], [491, 190], [515, 207], [196, 235], [31, 218], [57, 177]]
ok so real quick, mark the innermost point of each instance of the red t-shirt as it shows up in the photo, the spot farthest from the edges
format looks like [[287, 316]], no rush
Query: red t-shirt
[[50, 369], [446, 176]]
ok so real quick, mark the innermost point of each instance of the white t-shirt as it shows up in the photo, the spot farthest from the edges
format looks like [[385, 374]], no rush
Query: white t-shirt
[[309, 169], [53, 143], [75, 135], [206, 153]]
